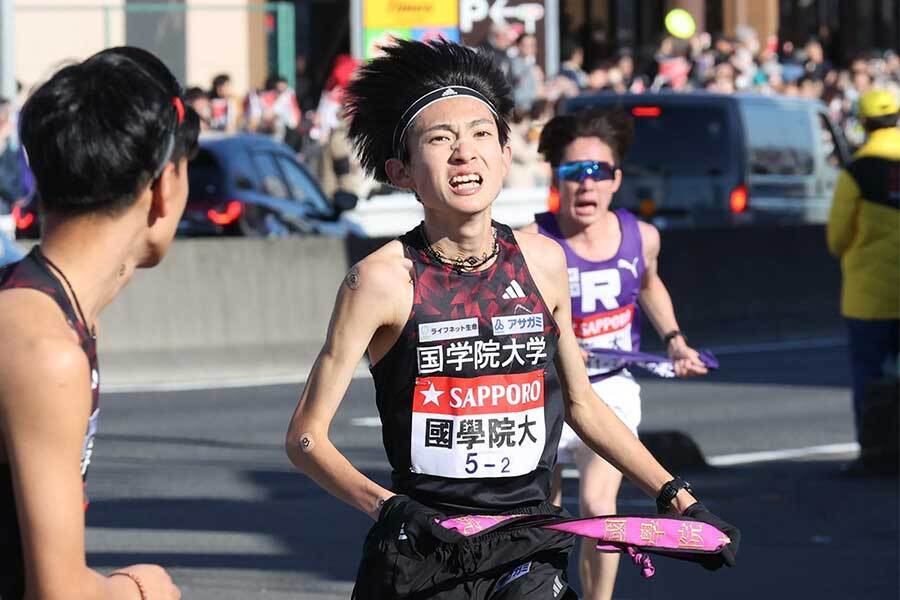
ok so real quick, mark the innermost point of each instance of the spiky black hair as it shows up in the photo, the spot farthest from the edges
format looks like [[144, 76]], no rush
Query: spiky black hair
[[386, 86]]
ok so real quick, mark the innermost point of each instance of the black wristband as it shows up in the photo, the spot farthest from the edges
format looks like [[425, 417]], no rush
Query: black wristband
[[383, 503], [668, 492], [667, 339]]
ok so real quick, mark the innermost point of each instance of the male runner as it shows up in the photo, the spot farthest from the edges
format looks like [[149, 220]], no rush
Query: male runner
[[108, 141], [460, 318], [612, 260]]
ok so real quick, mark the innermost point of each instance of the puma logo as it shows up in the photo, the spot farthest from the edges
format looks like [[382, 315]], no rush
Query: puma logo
[[630, 266]]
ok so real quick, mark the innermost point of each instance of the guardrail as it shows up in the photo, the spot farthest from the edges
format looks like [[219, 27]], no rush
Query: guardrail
[[236, 306], [766, 283], [393, 214], [212, 293]]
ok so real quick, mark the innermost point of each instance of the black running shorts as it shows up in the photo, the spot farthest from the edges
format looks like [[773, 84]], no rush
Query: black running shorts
[[498, 565]]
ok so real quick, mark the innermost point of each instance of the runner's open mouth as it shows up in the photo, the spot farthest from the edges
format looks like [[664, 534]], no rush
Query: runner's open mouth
[[466, 182]]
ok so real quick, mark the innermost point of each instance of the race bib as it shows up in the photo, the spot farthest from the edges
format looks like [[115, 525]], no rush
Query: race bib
[[607, 330], [479, 427]]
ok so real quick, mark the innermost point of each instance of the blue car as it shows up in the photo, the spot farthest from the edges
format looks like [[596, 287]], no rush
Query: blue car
[[9, 251], [251, 185]]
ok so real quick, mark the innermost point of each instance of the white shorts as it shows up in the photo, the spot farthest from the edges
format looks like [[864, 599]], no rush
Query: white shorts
[[623, 395]]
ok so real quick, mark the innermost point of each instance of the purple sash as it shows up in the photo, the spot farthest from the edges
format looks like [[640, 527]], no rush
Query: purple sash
[[657, 365], [636, 535]]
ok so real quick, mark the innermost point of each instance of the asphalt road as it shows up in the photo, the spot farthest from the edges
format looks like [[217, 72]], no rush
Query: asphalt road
[[198, 481]]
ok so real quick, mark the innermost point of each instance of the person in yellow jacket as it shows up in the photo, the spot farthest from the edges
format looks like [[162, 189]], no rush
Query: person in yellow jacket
[[864, 232]]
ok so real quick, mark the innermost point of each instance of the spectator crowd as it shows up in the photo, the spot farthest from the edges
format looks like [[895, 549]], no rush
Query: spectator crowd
[[723, 64], [716, 63]]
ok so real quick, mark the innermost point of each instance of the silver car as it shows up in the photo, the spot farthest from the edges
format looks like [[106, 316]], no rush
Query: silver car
[[9, 251], [701, 159]]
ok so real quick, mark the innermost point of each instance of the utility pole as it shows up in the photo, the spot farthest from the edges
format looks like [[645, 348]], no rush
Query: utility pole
[[357, 34], [7, 87], [7, 50], [551, 37]]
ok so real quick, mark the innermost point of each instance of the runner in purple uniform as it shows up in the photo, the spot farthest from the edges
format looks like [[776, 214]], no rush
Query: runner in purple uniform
[[611, 261], [460, 318], [108, 141]]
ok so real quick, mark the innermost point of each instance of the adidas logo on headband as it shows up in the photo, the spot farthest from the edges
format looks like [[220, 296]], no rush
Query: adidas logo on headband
[[426, 100]]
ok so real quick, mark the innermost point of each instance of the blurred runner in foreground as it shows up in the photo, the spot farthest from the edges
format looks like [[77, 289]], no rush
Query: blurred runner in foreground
[[108, 140], [460, 317]]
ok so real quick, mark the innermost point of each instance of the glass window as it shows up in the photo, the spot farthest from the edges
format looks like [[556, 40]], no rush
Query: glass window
[[272, 182], [302, 188], [205, 177], [780, 140], [679, 140]]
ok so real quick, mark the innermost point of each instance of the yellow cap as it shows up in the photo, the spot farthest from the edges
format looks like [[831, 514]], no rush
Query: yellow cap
[[877, 103]]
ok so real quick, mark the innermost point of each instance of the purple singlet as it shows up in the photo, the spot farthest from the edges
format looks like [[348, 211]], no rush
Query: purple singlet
[[604, 293]]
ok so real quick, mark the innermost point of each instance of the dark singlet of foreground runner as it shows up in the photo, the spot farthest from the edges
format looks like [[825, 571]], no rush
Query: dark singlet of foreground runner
[[35, 272], [466, 426]]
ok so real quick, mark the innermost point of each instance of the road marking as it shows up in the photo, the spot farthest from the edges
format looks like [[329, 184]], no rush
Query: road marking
[[221, 383], [202, 384], [722, 460], [746, 458], [125, 540]]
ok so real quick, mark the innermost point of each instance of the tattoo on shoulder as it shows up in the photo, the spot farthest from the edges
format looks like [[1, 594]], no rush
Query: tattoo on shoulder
[[352, 278]]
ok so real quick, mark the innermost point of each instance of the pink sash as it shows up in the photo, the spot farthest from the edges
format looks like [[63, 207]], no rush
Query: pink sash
[[635, 535]]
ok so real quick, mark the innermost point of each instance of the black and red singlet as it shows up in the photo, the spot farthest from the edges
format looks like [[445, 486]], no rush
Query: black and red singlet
[[34, 272], [467, 425]]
